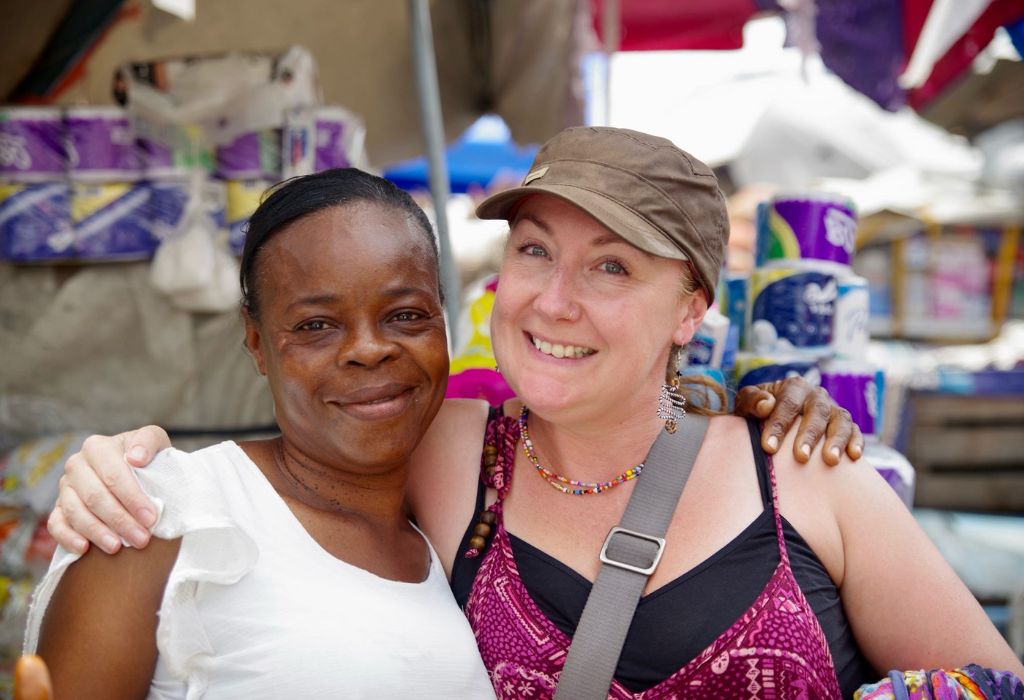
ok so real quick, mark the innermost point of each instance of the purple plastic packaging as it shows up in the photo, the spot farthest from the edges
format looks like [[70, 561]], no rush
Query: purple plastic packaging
[[35, 222], [853, 386], [31, 144], [330, 144], [111, 222], [818, 227], [318, 138], [101, 145], [252, 155]]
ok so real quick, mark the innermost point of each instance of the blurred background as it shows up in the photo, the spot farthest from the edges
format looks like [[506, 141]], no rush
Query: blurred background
[[872, 152]]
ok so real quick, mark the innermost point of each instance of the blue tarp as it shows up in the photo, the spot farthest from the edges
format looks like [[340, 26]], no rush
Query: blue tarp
[[485, 151]]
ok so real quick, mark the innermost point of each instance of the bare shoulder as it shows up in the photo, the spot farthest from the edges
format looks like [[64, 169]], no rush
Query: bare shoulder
[[444, 473], [457, 412], [728, 427], [810, 495], [726, 445], [458, 427]]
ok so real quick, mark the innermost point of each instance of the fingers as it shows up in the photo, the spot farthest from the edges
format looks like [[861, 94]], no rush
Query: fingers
[[140, 446], [92, 501], [59, 528], [32, 679], [855, 447], [817, 412], [838, 434], [105, 458], [79, 517], [790, 395], [754, 401]]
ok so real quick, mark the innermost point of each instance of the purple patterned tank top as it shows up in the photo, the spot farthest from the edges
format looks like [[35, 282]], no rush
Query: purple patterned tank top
[[775, 650]]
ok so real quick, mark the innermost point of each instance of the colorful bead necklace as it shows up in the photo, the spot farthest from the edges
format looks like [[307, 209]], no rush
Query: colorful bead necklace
[[564, 484]]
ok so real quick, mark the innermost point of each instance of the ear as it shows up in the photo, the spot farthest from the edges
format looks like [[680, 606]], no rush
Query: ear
[[691, 316], [254, 341]]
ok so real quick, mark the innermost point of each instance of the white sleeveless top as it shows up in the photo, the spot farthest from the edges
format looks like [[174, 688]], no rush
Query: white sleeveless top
[[255, 608]]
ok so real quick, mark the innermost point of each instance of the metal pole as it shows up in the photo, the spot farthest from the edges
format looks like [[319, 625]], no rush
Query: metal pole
[[437, 169], [611, 28]]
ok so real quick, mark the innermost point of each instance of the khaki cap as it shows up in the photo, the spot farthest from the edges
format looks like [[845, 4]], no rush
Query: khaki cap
[[641, 187]]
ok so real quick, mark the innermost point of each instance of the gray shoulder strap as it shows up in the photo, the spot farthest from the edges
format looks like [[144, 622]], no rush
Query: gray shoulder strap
[[630, 554]]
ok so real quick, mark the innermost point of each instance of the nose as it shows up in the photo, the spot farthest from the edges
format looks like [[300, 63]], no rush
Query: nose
[[558, 298], [367, 345]]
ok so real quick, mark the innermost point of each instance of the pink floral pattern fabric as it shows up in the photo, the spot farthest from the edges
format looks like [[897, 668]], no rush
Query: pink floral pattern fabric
[[775, 650]]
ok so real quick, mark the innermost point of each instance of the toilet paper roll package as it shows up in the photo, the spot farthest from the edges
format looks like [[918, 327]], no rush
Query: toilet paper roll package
[[124, 221], [320, 138], [35, 222], [243, 196], [791, 309], [815, 226], [752, 368], [251, 155], [101, 145], [32, 144], [854, 386]]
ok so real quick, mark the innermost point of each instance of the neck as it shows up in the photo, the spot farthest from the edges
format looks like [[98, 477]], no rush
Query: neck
[[335, 489]]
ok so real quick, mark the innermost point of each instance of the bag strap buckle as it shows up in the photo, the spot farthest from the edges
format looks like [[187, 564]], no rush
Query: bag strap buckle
[[644, 571]]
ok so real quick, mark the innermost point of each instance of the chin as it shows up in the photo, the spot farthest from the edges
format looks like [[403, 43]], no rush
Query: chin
[[546, 395]]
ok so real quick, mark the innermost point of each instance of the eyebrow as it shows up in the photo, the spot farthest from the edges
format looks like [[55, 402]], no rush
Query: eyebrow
[[534, 219], [318, 299]]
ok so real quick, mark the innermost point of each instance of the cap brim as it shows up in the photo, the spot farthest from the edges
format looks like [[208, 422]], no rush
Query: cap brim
[[615, 217]]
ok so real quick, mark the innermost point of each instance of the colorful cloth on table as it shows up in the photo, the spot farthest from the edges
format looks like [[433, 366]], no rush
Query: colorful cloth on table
[[971, 682]]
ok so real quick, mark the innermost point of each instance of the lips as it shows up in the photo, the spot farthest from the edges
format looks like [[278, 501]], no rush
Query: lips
[[376, 402], [560, 350]]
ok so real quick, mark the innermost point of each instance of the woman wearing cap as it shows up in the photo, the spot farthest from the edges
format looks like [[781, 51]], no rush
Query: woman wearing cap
[[775, 580]]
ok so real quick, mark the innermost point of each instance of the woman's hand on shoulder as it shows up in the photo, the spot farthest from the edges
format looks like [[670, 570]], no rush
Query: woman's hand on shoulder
[[783, 403], [100, 501]]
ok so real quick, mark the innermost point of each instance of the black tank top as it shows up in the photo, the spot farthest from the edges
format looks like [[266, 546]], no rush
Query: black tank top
[[726, 584]]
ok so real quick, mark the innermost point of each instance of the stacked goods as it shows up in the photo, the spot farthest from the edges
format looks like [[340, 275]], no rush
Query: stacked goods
[[72, 187], [806, 314], [112, 183], [312, 139]]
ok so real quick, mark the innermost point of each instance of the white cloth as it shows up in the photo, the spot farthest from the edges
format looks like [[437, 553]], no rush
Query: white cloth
[[255, 608]]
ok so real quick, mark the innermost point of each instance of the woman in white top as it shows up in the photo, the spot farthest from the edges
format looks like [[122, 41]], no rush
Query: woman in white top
[[287, 567]]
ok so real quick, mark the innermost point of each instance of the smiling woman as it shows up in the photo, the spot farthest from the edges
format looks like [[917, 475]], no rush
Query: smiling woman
[[287, 567]]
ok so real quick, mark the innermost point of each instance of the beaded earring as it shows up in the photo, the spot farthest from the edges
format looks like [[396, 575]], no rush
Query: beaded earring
[[671, 405]]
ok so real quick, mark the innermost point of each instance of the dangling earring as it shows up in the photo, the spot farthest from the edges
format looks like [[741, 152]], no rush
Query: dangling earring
[[671, 405]]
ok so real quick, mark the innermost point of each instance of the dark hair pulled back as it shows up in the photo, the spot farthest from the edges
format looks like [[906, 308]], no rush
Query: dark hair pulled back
[[301, 196]]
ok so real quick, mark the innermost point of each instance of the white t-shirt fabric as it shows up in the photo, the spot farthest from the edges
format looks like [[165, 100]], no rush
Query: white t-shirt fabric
[[255, 608]]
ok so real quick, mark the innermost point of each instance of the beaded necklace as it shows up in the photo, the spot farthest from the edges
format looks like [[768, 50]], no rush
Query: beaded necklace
[[564, 484]]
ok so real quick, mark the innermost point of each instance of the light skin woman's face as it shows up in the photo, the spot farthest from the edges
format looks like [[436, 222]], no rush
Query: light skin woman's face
[[350, 334], [583, 321]]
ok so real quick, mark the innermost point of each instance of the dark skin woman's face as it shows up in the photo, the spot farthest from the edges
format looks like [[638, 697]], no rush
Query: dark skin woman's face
[[350, 335]]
